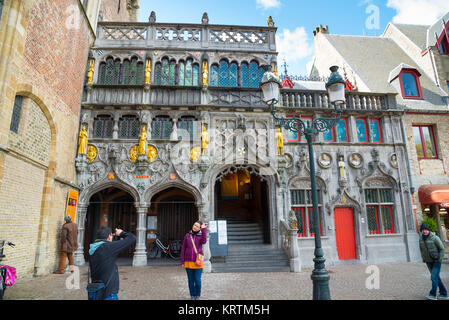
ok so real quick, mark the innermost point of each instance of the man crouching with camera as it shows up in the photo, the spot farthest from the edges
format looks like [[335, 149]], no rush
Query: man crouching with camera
[[103, 255]]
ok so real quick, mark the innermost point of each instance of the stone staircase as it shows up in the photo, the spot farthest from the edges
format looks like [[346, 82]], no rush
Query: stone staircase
[[247, 251]]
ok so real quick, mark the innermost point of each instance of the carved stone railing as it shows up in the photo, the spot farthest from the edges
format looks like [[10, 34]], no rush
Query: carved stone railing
[[320, 100], [187, 36], [290, 246]]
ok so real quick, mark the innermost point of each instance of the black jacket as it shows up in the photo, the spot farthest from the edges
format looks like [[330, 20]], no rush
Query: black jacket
[[103, 262]]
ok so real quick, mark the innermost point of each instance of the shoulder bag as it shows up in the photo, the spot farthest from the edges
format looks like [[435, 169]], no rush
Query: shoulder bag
[[199, 257]]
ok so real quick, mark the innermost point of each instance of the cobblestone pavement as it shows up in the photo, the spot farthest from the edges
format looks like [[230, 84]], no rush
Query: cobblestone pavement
[[398, 281]]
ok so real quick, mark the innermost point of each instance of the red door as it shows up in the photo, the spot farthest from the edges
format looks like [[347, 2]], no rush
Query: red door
[[345, 233]]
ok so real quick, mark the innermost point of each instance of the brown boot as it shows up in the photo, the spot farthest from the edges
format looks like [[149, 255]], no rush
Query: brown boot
[[58, 272]]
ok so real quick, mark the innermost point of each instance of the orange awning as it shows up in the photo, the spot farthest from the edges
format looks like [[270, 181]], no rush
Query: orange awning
[[434, 194]]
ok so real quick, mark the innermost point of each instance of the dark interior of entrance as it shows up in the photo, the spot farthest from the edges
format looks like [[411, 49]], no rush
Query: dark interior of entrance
[[114, 208], [243, 196]]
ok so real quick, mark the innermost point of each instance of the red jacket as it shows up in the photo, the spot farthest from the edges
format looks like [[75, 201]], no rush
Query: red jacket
[[187, 250]]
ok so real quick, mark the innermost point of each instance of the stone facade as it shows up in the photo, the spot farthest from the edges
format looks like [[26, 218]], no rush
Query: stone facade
[[43, 54], [242, 137]]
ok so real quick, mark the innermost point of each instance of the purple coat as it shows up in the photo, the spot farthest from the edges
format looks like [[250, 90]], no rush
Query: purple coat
[[187, 250]]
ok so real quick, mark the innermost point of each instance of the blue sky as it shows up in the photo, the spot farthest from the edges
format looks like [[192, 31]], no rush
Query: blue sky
[[296, 19]]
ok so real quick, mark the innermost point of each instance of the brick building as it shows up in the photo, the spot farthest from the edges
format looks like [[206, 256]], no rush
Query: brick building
[[44, 47], [411, 62]]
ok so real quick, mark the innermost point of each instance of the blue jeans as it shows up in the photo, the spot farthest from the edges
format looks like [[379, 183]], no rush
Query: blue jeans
[[113, 296], [435, 268], [194, 277]]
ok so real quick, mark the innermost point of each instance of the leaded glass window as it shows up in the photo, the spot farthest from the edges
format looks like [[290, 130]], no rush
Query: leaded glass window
[[362, 131], [244, 74], [188, 124], [165, 72], [110, 71], [223, 74], [117, 71], [301, 204], [379, 210], [189, 73], [140, 71], [129, 127], [161, 128], [233, 75], [254, 75], [214, 76], [102, 73], [133, 72], [196, 72], [103, 127], [261, 73], [16, 114], [172, 73], [342, 130], [182, 72], [126, 66], [158, 73]]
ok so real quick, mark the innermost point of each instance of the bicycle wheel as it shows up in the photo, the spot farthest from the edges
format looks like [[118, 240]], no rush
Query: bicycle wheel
[[153, 252], [173, 251]]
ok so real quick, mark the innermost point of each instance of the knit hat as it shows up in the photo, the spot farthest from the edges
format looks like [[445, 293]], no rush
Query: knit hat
[[424, 227], [68, 218]]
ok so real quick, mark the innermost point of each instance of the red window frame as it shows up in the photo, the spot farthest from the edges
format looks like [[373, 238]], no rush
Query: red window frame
[[416, 75], [380, 130], [298, 138], [302, 137], [309, 213], [444, 38], [304, 227], [346, 128], [366, 129], [377, 220], [391, 220], [423, 144]]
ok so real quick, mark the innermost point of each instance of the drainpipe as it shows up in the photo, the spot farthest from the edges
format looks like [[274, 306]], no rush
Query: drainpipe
[[412, 188]]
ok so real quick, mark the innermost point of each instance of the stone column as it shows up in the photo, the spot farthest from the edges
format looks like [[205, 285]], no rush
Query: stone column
[[204, 217], [140, 255], [81, 213]]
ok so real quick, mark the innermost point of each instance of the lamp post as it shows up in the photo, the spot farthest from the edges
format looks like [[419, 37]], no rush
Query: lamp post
[[336, 90]]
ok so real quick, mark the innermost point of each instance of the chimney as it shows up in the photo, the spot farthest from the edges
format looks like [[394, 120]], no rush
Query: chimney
[[321, 29]]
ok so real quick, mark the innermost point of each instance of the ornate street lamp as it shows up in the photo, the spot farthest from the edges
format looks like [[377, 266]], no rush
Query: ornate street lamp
[[336, 89]]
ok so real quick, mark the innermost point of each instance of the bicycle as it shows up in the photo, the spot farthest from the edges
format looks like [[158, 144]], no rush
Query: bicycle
[[173, 249], [3, 268]]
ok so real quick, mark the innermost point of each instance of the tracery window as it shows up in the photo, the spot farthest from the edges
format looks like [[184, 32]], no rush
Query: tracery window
[[114, 72], [161, 128], [187, 123], [129, 126], [185, 73], [103, 127]]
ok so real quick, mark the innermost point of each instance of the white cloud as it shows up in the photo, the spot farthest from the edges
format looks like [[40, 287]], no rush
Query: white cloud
[[424, 12], [266, 4], [293, 45]]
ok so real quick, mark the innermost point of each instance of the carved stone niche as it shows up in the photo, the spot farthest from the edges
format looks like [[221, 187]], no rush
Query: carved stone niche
[[325, 160], [356, 160], [393, 160]]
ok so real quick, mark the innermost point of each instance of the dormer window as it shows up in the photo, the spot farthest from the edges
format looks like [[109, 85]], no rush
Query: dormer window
[[410, 85]]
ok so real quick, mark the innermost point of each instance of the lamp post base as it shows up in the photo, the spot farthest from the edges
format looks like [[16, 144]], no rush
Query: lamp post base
[[320, 278]]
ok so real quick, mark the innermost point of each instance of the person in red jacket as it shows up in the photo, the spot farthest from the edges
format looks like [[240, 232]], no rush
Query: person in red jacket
[[191, 246]]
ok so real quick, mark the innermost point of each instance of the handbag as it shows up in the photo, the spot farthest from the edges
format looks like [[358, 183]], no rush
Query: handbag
[[434, 255], [199, 257], [96, 289]]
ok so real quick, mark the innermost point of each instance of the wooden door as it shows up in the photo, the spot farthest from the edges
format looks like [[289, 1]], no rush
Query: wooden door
[[345, 233]]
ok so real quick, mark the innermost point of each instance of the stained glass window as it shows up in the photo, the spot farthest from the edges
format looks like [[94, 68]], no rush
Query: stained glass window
[[109, 78], [254, 75], [261, 73], [129, 127], [117, 71], [196, 72], [165, 72], [374, 126], [342, 130], [140, 73], [16, 114], [102, 73], [133, 72], [329, 136], [409, 84], [233, 75], [187, 123], [158, 73], [223, 74], [362, 133], [214, 76], [182, 71], [189, 72], [161, 128], [126, 72], [172, 73], [103, 126], [244, 74]]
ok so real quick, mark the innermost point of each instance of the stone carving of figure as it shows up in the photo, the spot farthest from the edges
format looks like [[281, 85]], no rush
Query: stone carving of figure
[[205, 73], [205, 19], [82, 141], [143, 142], [152, 18], [270, 21], [341, 167], [292, 220], [90, 73], [152, 153], [204, 140], [280, 142], [148, 72]]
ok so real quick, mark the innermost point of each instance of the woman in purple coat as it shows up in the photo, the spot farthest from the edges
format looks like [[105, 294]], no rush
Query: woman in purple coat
[[197, 236]]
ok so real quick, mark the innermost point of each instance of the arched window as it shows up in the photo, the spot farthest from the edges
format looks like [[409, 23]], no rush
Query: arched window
[[157, 73], [115, 72], [223, 74], [244, 75], [103, 127], [126, 66], [196, 72], [165, 72], [135, 72], [161, 128], [102, 73], [109, 77], [128, 127], [254, 75], [233, 75], [187, 123], [182, 72], [172, 72], [189, 73], [214, 76]]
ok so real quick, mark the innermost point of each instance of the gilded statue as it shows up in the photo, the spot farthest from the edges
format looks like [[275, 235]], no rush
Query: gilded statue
[[134, 153], [204, 140], [195, 154], [92, 153], [270, 21], [143, 142], [152, 153], [82, 141], [205, 73], [90, 72], [148, 72], [280, 142]]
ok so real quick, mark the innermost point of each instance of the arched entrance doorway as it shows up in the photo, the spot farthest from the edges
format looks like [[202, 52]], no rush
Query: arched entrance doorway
[[242, 196], [114, 208], [174, 212]]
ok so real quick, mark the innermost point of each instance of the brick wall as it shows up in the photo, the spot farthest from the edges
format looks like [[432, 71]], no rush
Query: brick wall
[[111, 10]]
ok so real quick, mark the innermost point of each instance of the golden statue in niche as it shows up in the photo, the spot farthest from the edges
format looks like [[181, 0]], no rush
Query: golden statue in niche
[[152, 153], [143, 142], [204, 140], [90, 73], [148, 72], [280, 142], [92, 153], [205, 73], [82, 141], [195, 154], [134, 153]]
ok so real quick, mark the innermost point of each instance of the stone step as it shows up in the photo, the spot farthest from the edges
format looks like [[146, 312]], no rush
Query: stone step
[[245, 242], [245, 237], [260, 269], [266, 257]]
